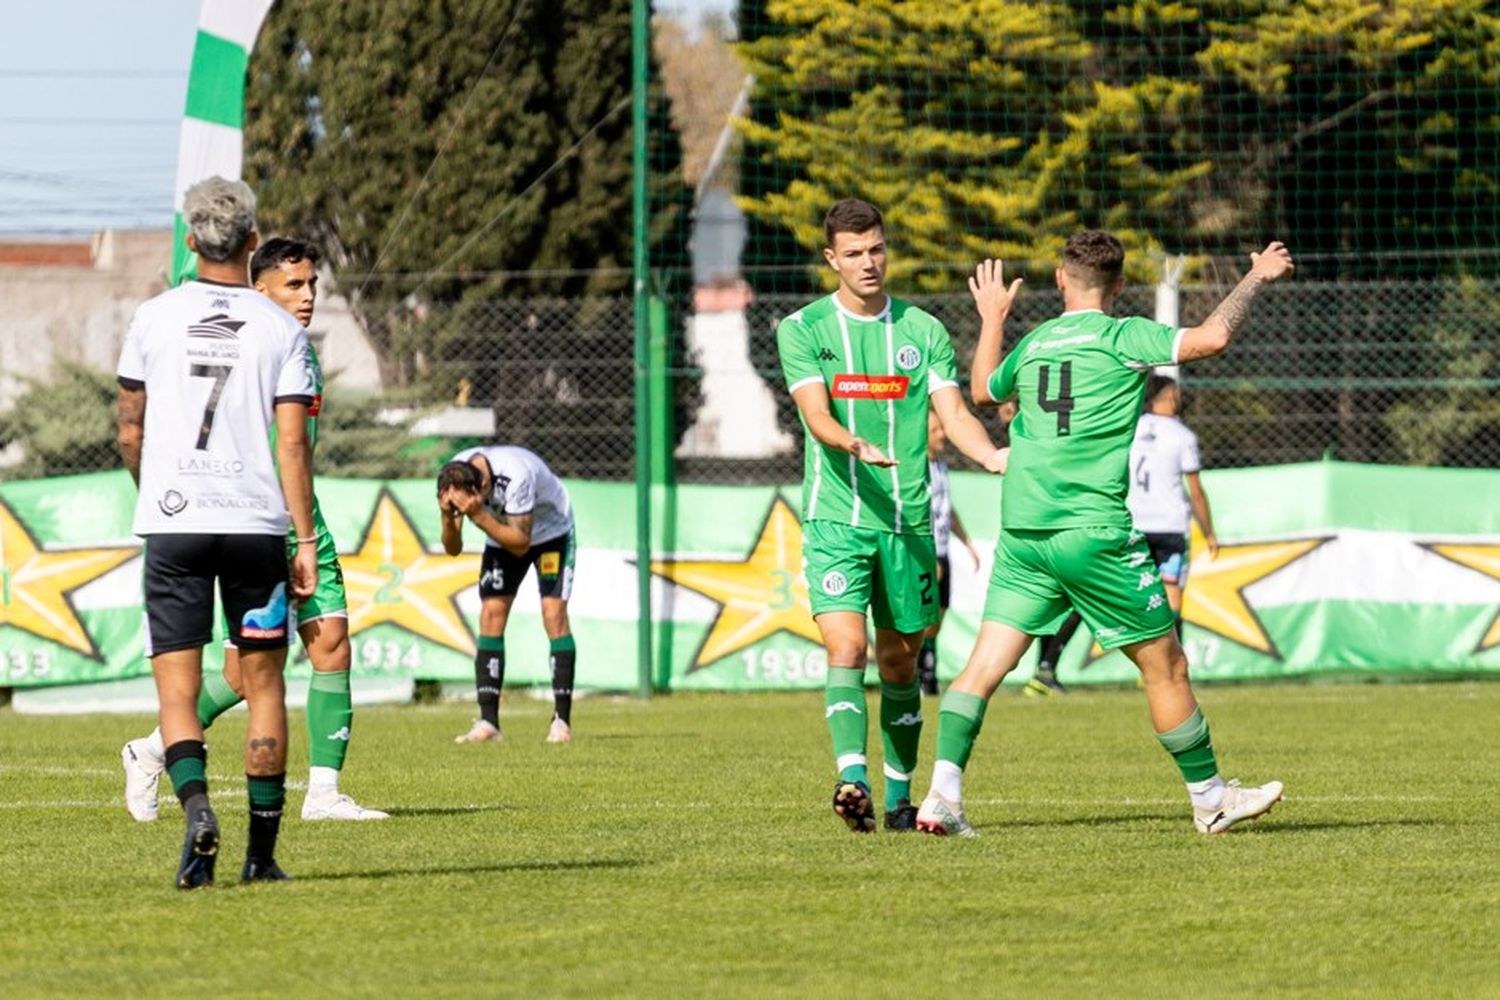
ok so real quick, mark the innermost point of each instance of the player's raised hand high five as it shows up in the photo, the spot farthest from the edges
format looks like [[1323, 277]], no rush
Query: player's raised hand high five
[[1273, 263], [991, 296]]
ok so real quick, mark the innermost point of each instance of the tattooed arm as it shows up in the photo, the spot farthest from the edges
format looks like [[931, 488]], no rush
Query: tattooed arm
[[130, 428], [1212, 336]]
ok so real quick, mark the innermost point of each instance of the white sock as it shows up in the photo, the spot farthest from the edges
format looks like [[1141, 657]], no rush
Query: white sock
[[154, 744], [948, 780], [1206, 794], [322, 781]]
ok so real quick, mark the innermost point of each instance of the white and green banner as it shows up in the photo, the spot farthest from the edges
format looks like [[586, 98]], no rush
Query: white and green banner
[[1324, 569], [213, 121]]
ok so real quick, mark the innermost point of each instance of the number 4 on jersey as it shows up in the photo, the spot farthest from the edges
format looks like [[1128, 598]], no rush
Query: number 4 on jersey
[[1063, 404]]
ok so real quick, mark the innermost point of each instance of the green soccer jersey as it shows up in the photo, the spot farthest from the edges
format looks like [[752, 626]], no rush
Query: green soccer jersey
[[313, 410], [879, 371], [1079, 381]]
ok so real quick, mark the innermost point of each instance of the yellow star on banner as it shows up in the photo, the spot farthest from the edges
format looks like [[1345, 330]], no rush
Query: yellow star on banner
[[393, 579], [36, 585], [761, 595], [1215, 594], [1482, 559]]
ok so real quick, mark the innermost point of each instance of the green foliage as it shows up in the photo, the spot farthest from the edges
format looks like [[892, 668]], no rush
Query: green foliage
[[358, 438], [63, 426], [999, 127]]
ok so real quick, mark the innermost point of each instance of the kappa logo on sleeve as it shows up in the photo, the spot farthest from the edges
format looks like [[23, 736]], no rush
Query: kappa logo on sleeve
[[855, 386]]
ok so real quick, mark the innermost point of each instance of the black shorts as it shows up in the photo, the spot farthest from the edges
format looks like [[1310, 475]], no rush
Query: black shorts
[[945, 581], [251, 571], [1169, 552], [501, 572]]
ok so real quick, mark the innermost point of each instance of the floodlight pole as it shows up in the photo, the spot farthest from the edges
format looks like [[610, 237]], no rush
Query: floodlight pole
[[640, 35]]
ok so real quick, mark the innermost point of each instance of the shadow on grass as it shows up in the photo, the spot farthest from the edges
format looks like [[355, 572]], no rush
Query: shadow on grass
[[1281, 827], [652, 737], [1136, 817], [401, 811], [596, 864], [1271, 825]]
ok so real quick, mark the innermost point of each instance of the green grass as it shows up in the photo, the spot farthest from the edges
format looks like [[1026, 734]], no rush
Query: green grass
[[685, 846]]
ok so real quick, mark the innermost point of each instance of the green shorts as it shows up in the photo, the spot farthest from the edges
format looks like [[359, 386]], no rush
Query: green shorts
[[1106, 574], [891, 577], [329, 599]]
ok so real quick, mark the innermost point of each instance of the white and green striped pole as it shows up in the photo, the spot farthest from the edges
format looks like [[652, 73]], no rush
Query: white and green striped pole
[[212, 141]]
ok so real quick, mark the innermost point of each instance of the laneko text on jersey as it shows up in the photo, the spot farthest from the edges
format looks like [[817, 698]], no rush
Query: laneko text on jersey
[[852, 386]]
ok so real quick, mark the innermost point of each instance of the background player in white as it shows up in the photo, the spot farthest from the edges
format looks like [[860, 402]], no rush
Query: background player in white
[[205, 369], [523, 509], [946, 526], [1163, 457], [285, 271]]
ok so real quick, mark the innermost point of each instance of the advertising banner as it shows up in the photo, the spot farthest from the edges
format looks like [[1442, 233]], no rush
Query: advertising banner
[[1324, 568]]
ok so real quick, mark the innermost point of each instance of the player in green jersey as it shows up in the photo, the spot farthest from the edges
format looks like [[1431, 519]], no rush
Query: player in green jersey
[[285, 271], [1066, 539], [862, 368]]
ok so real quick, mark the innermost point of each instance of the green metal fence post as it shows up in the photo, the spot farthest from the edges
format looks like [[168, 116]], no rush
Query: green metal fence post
[[640, 35]]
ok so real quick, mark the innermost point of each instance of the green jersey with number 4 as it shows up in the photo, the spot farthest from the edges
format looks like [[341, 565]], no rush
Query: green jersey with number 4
[[879, 371], [1079, 381]]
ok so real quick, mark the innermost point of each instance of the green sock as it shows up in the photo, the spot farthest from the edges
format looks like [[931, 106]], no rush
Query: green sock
[[330, 712], [215, 698], [844, 708], [901, 732], [960, 716], [187, 762], [1191, 748]]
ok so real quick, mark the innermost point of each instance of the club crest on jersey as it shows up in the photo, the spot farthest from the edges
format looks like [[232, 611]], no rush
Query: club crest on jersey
[[835, 583], [855, 386], [908, 357], [316, 407]]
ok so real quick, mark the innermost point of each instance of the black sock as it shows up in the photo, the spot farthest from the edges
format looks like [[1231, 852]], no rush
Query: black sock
[[267, 798], [489, 675], [186, 761], [564, 660], [927, 666]]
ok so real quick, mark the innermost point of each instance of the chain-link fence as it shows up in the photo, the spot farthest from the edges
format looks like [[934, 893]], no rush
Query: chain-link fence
[[1399, 371]]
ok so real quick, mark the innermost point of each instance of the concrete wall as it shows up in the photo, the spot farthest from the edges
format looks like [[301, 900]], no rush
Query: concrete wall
[[53, 307]]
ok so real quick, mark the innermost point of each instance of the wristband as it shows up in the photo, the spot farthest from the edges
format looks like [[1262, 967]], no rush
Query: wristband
[[310, 540]]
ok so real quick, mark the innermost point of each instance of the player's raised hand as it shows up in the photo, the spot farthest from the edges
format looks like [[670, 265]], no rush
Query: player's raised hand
[[1273, 263], [869, 454], [464, 502], [991, 297]]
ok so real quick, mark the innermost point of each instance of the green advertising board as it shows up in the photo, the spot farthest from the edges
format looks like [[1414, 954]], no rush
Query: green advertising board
[[1324, 568]]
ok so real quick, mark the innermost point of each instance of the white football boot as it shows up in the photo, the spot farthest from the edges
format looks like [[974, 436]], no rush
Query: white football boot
[[1239, 804], [943, 817], [142, 776], [335, 805], [480, 732], [560, 732]]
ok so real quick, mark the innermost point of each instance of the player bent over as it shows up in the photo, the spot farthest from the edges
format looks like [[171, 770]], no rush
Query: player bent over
[[205, 369], [523, 509], [285, 271], [1065, 531], [862, 368]]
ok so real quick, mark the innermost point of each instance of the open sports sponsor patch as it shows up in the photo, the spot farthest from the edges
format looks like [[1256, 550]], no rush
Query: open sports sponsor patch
[[549, 563], [851, 386]]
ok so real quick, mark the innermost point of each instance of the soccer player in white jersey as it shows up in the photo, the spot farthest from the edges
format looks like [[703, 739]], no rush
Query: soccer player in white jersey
[[285, 271], [205, 370], [523, 509], [1163, 457], [946, 526]]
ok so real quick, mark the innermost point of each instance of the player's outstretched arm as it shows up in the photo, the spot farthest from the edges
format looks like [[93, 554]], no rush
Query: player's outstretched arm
[[294, 458], [1212, 336], [130, 428], [965, 431], [994, 301], [812, 403]]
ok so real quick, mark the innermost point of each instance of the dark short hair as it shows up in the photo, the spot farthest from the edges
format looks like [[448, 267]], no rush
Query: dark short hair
[[1158, 384], [1094, 257], [280, 250], [460, 474], [851, 216]]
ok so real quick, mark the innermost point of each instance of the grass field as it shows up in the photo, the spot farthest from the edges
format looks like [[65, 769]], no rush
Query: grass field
[[686, 846]]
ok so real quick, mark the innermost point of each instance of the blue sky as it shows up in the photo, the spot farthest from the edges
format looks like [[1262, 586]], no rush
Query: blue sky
[[91, 94]]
